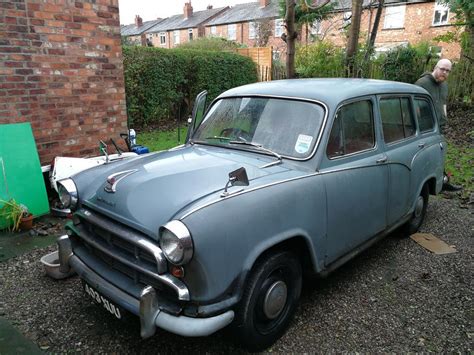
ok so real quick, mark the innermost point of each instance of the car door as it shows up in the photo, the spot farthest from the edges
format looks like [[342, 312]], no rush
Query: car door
[[401, 145], [355, 177]]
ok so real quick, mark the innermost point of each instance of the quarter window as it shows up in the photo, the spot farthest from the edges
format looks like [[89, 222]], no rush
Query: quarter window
[[352, 131], [424, 115], [397, 120]]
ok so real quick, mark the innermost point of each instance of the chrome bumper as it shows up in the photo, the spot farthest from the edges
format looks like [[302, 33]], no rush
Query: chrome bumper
[[146, 307]]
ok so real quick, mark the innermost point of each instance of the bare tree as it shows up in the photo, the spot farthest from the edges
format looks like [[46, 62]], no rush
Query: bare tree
[[353, 40], [375, 28], [263, 32]]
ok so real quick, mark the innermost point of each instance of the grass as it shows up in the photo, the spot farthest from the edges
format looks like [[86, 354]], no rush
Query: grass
[[158, 140], [459, 163], [459, 160]]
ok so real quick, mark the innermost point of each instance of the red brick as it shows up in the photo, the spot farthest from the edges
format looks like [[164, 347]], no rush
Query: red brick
[[37, 22]]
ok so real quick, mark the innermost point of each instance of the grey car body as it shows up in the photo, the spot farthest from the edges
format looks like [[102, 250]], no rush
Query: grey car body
[[339, 164]]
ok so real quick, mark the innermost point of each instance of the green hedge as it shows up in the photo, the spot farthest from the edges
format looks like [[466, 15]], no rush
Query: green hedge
[[162, 83]]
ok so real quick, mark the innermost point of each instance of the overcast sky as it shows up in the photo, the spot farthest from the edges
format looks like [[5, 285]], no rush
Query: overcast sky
[[152, 9]]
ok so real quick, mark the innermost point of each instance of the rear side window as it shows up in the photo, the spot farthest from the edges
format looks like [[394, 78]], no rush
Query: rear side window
[[424, 115], [352, 131], [397, 120]]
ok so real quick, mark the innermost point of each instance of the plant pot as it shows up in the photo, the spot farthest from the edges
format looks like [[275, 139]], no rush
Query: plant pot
[[26, 223]]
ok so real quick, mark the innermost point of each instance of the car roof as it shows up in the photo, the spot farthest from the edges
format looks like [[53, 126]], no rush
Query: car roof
[[330, 91]]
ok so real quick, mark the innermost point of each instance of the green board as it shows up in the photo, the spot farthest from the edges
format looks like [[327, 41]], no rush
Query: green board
[[20, 170]]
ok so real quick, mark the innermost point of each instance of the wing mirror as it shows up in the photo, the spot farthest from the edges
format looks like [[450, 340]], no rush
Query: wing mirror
[[236, 178]]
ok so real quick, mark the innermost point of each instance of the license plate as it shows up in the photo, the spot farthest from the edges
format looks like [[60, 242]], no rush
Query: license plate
[[105, 302]]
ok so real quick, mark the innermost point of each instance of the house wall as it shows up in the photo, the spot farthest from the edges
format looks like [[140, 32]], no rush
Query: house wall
[[183, 38], [61, 69], [417, 28]]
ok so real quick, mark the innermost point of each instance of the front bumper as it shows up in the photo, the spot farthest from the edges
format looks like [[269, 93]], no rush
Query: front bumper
[[146, 307]]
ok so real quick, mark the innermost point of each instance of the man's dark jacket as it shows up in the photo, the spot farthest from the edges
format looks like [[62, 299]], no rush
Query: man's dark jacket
[[439, 93]]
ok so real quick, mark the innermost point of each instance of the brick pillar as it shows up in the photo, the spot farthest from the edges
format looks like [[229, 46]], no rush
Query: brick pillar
[[61, 69]]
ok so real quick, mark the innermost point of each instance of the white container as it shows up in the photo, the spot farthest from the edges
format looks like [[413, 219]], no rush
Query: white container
[[51, 266], [132, 136]]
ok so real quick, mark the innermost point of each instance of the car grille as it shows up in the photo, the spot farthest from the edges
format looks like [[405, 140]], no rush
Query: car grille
[[121, 248]]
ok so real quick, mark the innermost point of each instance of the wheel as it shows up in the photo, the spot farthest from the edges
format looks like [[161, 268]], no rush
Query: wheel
[[418, 215], [269, 301]]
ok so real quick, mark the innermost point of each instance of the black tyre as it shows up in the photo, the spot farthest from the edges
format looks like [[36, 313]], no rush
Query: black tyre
[[269, 301], [418, 215]]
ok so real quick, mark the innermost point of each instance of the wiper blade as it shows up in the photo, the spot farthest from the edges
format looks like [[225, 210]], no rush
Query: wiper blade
[[260, 147], [220, 138]]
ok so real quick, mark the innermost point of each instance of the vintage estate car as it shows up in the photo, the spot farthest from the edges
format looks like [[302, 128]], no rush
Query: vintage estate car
[[275, 180]]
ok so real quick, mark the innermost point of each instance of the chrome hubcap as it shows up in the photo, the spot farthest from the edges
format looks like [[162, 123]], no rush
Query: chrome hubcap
[[275, 299], [419, 206]]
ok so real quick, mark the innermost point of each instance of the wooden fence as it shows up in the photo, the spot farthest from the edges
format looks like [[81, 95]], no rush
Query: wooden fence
[[262, 56]]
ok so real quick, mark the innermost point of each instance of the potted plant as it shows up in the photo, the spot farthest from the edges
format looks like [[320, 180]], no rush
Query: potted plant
[[16, 215]]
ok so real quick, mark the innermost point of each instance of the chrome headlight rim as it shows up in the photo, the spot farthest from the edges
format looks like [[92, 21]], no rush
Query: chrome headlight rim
[[176, 231], [69, 187]]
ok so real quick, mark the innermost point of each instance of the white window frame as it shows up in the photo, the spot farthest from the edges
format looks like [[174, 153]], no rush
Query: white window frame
[[232, 32], [162, 38], [346, 18], [252, 30], [442, 9], [176, 36], [279, 27], [213, 30], [394, 17], [190, 34], [315, 28]]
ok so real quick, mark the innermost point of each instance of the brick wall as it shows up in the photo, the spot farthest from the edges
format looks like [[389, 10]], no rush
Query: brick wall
[[61, 69], [417, 28]]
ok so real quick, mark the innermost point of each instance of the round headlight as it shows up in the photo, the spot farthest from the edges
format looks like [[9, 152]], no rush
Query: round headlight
[[67, 193], [176, 242]]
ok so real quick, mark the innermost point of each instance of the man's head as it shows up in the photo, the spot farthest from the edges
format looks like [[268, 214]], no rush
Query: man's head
[[441, 70]]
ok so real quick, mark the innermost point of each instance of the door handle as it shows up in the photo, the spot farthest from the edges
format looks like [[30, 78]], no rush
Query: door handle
[[381, 160], [421, 145]]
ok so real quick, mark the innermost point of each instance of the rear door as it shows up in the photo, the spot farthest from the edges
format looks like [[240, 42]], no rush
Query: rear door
[[355, 176]]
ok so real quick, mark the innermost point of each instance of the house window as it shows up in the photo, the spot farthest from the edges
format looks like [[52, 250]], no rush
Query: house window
[[315, 28], [252, 30], [176, 37], [232, 32], [394, 17], [213, 30], [346, 19], [190, 34], [162, 38], [441, 14], [279, 27]]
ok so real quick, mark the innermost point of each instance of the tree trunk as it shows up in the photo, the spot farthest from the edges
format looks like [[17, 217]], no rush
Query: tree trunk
[[353, 40], [290, 38], [373, 33]]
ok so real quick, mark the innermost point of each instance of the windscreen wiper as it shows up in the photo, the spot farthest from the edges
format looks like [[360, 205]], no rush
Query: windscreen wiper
[[260, 147]]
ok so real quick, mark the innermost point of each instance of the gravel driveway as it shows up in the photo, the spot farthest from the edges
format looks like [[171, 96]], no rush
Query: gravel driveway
[[395, 297]]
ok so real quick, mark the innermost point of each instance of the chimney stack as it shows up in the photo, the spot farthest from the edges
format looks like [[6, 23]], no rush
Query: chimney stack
[[138, 21], [264, 3], [188, 10], [209, 7]]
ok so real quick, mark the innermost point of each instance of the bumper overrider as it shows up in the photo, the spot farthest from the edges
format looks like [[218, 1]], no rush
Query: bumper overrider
[[146, 307]]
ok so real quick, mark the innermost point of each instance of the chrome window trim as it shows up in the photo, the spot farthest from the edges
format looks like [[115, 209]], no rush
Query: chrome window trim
[[293, 98]]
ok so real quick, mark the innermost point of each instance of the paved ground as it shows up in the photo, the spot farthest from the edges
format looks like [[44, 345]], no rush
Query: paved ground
[[395, 297]]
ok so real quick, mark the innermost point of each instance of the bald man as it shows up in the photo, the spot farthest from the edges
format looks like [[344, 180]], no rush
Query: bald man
[[435, 84]]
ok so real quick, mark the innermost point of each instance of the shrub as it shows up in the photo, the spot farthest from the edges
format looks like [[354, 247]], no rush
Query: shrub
[[162, 83], [319, 60], [211, 44]]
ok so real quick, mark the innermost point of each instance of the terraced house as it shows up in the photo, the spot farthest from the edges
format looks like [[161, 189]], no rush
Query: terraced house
[[181, 28], [135, 33]]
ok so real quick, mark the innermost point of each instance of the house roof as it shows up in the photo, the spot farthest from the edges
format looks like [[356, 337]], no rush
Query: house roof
[[134, 30], [246, 12], [340, 5], [178, 22]]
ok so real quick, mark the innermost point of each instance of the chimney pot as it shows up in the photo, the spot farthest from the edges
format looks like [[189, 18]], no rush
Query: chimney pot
[[264, 3], [138, 21], [209, 7]]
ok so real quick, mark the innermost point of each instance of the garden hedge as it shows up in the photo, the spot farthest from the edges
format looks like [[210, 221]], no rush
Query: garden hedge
[[161, 84]]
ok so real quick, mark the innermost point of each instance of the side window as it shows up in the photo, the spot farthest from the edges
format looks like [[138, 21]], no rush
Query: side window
[[397, 120], [352, 131], [424, 115]]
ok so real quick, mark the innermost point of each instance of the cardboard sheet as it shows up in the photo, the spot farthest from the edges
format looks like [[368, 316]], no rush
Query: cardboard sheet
[[433, 244]]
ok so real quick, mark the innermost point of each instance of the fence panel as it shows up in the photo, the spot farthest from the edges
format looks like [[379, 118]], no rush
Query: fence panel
[[262, 56]]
